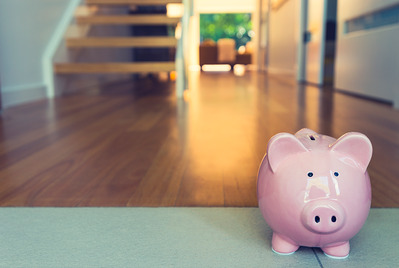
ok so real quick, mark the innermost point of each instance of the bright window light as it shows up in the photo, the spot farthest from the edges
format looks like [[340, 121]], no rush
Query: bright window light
[[239, 69], [174, 10], [194, 68], [216, 68], [178, 31], [241, 50]]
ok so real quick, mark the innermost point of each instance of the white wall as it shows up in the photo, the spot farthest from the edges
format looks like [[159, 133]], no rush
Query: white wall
[[224, 6], [367, 62], [26, 28], [283, 37]]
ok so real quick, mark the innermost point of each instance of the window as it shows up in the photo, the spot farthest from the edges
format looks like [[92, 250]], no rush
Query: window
[[380, 18], [237, 26]]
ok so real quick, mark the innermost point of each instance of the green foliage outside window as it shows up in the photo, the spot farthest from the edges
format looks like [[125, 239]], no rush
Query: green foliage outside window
[[237, 26]]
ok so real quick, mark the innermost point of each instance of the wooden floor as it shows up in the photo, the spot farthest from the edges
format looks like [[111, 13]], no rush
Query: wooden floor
[[135, 144]]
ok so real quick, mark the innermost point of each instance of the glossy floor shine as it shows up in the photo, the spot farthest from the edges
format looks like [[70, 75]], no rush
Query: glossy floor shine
[[135, 144]]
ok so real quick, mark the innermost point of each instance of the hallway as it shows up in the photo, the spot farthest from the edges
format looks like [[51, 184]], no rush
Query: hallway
[[135, 144]]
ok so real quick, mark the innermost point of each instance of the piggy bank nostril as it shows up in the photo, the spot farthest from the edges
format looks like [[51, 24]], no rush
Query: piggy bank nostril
[[317, 219], [333, 219]]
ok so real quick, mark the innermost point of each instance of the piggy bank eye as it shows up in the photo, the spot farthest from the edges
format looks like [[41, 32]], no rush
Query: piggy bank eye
[[336, 174], [310, 174]]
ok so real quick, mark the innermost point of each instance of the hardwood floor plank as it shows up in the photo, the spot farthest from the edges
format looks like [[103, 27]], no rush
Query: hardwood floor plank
[[161, 183], [134, 144], [147, 121], [72, 146], [49, 137], [240, 191], [20, 125], [129, 159], [201, 186], [109, 172]]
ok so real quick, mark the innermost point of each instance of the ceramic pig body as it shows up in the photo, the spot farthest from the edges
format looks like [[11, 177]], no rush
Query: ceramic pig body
[[314, 190]]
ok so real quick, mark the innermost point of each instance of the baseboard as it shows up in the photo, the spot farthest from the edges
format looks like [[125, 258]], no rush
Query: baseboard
[[15, 95], [364, 95]]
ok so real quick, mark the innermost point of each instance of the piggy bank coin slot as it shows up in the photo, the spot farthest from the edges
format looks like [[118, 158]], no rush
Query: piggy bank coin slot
[[312, 138]]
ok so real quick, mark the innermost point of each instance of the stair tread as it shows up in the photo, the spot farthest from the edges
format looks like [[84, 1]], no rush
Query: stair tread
[[127, 19], [158, 41], [85, 10], [131, 2], [77, 31], [113, 67]]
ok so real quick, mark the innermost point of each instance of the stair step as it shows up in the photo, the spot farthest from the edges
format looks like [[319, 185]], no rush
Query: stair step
[[82, 30], [128, 19], [158, 41], [85, 10], [135, 67], [131, 2], [77, 31]]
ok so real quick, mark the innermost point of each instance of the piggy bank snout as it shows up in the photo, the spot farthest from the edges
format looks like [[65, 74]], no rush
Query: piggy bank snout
[[323, 216]]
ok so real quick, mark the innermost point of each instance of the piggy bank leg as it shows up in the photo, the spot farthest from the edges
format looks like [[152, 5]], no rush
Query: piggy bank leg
[[337, 252], [283, 246]]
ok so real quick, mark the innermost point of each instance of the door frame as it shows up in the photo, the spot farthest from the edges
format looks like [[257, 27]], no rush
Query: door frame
[[303, 40], [301, 54]]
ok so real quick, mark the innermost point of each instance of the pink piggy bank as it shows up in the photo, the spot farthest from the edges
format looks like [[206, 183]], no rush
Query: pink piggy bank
[[314, 190]]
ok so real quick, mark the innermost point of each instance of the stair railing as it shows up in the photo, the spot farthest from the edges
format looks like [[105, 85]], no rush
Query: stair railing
[[182, 49]]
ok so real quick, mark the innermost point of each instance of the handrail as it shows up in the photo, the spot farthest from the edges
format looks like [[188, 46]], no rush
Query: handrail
[[182, 48]]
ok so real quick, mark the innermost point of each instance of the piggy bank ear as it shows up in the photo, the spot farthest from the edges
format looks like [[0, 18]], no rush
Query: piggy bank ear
[[356, 148], [281, 146]]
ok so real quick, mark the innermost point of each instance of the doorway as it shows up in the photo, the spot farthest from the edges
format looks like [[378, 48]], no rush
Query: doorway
[[317, 49], [225, 38]]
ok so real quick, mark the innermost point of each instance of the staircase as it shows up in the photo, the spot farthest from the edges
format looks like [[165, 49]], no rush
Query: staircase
[[91, 15]]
